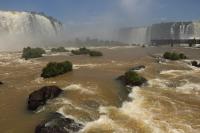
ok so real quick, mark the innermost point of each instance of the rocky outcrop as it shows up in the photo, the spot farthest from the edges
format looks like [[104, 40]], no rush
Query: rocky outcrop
[[40, 97], [58, 124]]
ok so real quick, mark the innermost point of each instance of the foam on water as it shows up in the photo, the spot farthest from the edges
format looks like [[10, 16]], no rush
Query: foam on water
[[189, 88], [141, 116], [81, 89], [78, 66], [104, 124], [7, 58], [56, 54]]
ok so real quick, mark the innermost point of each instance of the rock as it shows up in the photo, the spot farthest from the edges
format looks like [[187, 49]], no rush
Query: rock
[[58, 124], [1, 83], [195, 63], [137, 68], [40, 97]]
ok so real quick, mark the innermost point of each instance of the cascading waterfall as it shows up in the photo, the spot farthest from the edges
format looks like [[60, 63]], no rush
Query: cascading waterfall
[[20, 29], [28, 23], [168, 30], [196, 26]]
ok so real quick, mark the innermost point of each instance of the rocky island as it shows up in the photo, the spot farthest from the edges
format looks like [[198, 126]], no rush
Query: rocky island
[[53, 69]]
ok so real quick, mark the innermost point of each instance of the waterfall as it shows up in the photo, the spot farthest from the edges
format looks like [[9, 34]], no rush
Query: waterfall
[[161, 31], [28, 23]]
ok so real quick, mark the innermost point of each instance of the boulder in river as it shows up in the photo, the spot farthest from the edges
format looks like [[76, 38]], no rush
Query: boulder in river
[[195, 63], [40, 97], [58, 124]]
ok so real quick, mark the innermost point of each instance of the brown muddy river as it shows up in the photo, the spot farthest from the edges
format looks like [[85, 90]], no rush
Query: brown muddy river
[[169, 103]]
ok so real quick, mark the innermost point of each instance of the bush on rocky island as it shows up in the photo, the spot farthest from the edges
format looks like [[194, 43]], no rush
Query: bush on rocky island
[[59, 49], [40, 97], [132, 78], [95, 53], [81, 51], [32, 53], [174, 56], [85, 51], [54, 69]]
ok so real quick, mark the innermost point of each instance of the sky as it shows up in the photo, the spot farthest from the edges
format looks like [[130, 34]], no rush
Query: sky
[[120, 13]]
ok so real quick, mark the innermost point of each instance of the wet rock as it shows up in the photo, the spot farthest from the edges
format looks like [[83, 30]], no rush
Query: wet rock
[[58, 124], [40, 97], [195, 63], [137, 68], [131, 78]]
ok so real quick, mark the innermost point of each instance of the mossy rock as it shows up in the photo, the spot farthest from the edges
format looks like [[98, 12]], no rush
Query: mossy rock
[[32, 53], [85, 51], [59, 49], [174, 56], [132, 78], [95, 53], [54, 69], [81, 51]]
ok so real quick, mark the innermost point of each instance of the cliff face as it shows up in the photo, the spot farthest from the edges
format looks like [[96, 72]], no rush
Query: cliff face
[[170, 30], [28, 23]]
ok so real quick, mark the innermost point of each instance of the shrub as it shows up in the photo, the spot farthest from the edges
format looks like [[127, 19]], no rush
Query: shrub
[[95, 53], [32, 53], [85, 51], [54, 69], [174, 56], [133, 78], [59, 49], [81, 51], [182, 56]]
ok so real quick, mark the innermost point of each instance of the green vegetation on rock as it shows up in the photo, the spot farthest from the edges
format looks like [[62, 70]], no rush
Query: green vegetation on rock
[[85, 51], [132, 78], [54, 69], [59, 49], [32, 52], [81, 51], [95, 53], [174, 56]]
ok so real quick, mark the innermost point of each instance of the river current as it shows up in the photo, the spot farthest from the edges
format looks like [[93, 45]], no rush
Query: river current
[[169, 103]]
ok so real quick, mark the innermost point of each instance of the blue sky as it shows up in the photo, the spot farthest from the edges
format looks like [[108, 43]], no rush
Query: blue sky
[[116, 12]]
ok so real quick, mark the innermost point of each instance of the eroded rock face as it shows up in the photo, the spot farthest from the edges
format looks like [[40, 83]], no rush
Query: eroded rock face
[[40, 97], [58, 124]]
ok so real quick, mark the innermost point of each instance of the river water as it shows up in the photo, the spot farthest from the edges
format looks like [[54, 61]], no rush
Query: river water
[[169, 103]]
